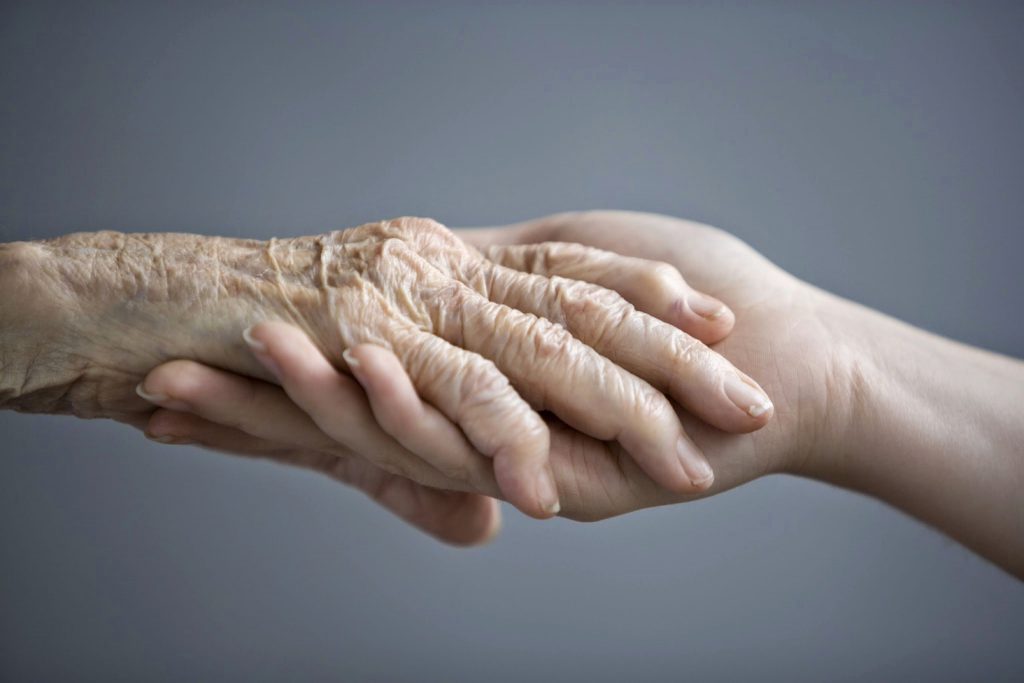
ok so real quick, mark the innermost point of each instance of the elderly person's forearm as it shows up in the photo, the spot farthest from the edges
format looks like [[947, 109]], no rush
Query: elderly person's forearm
[[84, 316]]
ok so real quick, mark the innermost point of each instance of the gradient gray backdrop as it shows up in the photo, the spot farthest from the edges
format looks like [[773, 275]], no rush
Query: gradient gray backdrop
[[873, 149]]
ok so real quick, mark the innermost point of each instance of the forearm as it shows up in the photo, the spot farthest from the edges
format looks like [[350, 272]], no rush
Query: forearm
[[939, 433], [36, 371], [84, 316]]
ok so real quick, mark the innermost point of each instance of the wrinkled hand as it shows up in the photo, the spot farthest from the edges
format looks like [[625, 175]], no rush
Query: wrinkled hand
[[488, 346], [786, 336]]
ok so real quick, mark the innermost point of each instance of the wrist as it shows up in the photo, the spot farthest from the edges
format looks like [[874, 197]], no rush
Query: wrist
[[935, 431]]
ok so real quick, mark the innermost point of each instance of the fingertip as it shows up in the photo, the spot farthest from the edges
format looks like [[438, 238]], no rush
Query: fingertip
[[480, 525], [173, 384], [546, 492], [385, 381], [710, 324], [697, 474], [530, 489], [169, 427], [750, 403]]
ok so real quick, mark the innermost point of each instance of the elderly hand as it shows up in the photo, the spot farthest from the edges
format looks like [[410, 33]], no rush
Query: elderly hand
[[325, 413], [487, 346]]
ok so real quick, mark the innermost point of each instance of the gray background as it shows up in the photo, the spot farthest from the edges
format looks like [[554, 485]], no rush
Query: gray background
[[873, 149]]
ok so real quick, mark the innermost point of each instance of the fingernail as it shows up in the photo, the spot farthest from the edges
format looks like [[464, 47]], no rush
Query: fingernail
[[747, 398], [705, 306], [254, 344], [547, 493], [152, 398], [169, 439], [259, 350], [697, 468], [349, 358], [162, 400]]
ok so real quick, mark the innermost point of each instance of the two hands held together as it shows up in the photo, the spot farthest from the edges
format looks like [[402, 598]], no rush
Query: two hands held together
[[582, 364]]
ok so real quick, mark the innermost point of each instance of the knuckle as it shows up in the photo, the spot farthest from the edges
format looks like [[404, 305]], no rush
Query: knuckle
[[584, 298], [426, 232], [534, 431], [550, 341], [686, 353], [484, 384], [458, 471], [650, 405], [662, 278], [391, 248]]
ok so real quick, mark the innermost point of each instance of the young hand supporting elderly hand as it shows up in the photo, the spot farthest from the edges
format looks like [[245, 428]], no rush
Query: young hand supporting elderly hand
[[862, 401], [458, 326]]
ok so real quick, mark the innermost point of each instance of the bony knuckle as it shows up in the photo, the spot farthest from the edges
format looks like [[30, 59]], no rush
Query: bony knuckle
[[587, 292], [651, 405], [392, 247], [551, 341], [685, 352], [534, 430], [484, 383], [659, 280], [428, 233]]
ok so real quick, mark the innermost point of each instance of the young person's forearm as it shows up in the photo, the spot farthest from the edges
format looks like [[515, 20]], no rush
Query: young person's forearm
[[939, 433]]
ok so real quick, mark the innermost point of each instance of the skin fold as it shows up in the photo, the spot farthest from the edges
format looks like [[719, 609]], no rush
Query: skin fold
[[861, 400], [498, 351]]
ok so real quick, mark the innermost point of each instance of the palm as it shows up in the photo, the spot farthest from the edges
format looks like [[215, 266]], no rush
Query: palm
[[779, 340]]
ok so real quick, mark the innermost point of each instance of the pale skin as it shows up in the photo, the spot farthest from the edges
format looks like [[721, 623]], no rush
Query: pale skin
[[863, 401], [486, 343]]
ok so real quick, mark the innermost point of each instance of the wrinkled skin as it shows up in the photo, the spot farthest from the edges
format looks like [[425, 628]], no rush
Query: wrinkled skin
[[485, 345], [788, 335]]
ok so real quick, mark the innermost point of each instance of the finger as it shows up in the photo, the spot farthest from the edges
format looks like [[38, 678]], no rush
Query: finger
[[702, 380], [454, 517], [265, 411], [654, 287], [555, 371], [338, 406], [400, 412], [474, 394]]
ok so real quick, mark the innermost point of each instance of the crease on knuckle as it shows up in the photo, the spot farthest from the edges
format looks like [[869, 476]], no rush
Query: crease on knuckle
[[456, 470], [685, 353], [661, 279], [650, 405], [482, 388], [551, 341], [608, 311]]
